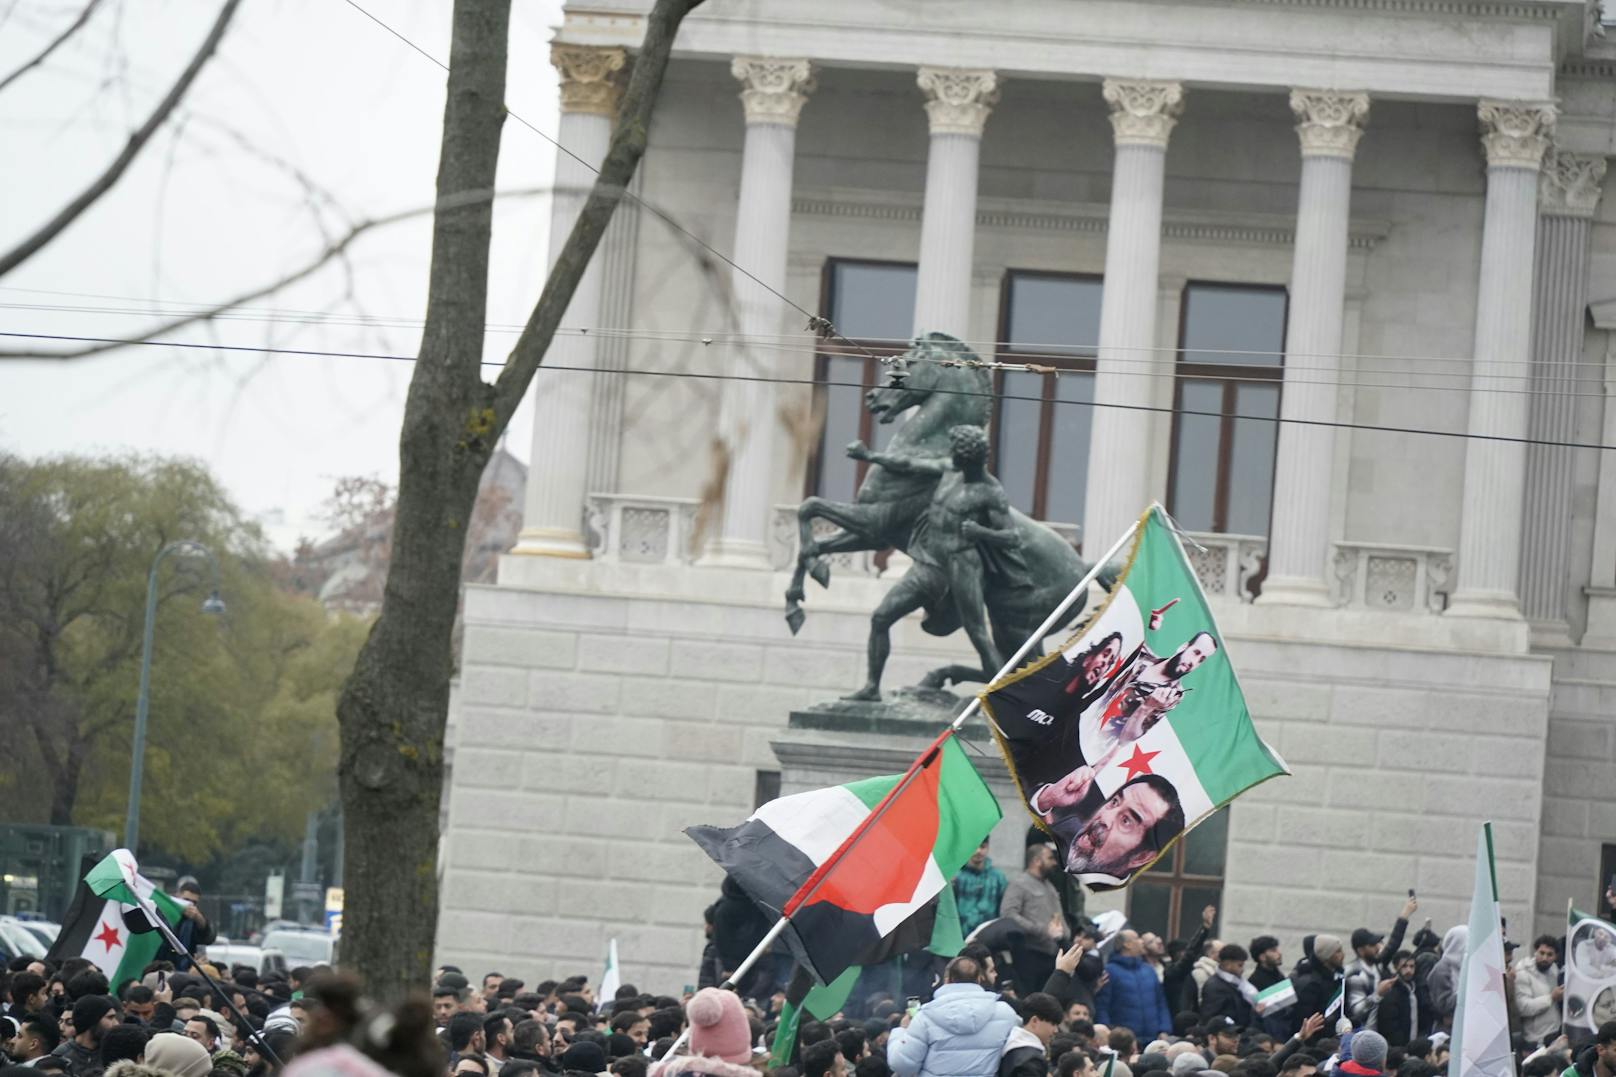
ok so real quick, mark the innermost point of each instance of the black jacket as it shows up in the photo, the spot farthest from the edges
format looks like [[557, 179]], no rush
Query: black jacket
[[1393, 1018], [1177, 983], [1079, 988], [1314, 985], [1220, 998]]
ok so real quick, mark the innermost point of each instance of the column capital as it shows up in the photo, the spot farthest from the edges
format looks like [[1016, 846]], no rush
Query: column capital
[[1143, 111], [1515, 134], [1329, 123], [589, 80], [1570, 184], [958, 99], [773, 90]]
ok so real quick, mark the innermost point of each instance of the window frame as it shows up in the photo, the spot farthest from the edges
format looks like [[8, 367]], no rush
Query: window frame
[[1232, 376], [879, 349], [1176, 880], [1002, 352]]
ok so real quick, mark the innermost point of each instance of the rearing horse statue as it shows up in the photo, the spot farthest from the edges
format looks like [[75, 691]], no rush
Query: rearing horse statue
[[942, 381]]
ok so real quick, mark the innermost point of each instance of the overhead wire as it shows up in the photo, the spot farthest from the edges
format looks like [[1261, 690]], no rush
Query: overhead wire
[[803, 346], [816, 382]]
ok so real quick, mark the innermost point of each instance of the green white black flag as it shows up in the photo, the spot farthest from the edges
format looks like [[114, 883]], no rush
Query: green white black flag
[[1136, 729]]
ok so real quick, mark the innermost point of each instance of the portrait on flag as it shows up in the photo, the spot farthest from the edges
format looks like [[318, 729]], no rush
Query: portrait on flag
[[1590, 975], [1136, 728]]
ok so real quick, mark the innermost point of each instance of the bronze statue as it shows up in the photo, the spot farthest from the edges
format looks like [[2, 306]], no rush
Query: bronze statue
[[973, 554]]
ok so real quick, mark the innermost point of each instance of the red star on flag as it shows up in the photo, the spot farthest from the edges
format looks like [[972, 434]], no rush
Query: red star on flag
[[1138, 763], [108, 936]]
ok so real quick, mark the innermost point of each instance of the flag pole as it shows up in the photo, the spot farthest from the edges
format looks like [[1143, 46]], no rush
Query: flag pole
[[1050, 622]]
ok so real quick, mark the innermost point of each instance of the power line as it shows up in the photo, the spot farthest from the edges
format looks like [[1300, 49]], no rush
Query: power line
[[812, 382]]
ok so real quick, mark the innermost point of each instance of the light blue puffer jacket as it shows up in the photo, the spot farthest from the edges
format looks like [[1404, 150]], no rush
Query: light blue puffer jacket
[[959, 1033]]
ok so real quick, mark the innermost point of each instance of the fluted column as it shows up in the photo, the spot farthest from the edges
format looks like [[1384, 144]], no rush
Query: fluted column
[[958, 101], [1142, 116], [1329, 125], [1515, 135], [773, 92], [1567, 197], [557, 476]]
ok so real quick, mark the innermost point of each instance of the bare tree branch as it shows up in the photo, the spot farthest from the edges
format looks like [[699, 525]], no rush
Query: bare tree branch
[[137, 141], [56, 42]]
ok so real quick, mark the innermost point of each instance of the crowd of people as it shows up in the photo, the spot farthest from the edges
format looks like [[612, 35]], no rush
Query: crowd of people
[[1036, 992]]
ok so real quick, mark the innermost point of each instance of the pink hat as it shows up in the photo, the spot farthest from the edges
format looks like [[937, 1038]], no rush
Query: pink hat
[[718, 1026]]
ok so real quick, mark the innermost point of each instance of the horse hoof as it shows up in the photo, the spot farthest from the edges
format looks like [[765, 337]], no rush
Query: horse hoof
[[795, 618], [819, 572], [935, 679]]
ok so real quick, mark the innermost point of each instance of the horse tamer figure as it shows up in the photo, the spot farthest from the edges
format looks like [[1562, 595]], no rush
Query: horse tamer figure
[[929, 495]]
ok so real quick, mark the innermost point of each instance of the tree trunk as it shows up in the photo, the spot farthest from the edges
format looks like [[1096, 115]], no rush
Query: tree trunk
[[394, 705]]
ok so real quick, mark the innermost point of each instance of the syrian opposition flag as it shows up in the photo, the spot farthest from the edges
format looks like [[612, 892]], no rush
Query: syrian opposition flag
[[1590, 972], [1272, 1000], [610, 980], [1136, 729], [1481, 1045], [106, 925], [848, 865]]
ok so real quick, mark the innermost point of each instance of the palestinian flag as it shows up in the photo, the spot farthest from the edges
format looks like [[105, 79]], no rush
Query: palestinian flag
[[1590, 973], [1481, 1045], [851, 864], [1136, 729], [106, 925], [823, 1001]]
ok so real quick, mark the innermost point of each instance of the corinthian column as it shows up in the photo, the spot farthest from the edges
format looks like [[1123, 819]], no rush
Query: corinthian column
[[773, 92], [1329, 125], [1515, 135], [958, 101], [1567, 198], [1142, 116], [552, 518]]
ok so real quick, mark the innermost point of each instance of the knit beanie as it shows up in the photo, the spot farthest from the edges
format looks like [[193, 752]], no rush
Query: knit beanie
[[718, 1026], [1326, 946], [1187, 1063], [88, 1011], [177, 1054], [584, 1057], [1369, 1049]]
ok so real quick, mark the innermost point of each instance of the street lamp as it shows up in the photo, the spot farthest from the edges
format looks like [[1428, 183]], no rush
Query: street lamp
[[213, 604]]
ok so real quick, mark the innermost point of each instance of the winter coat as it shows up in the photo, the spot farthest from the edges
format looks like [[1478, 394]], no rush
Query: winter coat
[[1220, 998], [1313, 983], [1133, 998], [1068, 988], [693, 1064], [1393, 1015], [1032, 903], [1023, 1056], [128, 1067], [961, 1032], [1183, 993], [1534, 1000], [81, 1061], [738, 924], [1443, 983]]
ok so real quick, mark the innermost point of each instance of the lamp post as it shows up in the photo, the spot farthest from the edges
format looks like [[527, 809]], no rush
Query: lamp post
[[213, 604]]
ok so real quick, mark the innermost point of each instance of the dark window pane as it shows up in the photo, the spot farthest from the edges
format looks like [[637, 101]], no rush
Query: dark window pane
[[1206, 846], [1251, 460], [1243, 326], [873, 302], [844, 400], [1148, 904], [1195, 477], [1054, 314], [1020, 413], [1191, 901], [1069, 448]]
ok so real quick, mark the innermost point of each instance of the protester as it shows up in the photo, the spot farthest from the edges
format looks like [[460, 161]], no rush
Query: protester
[[961, 1031], [978, 889], [720, 1039], [1132, 995], [1033, 904], [1227, 994], [1538, 991], [1026, 1049]]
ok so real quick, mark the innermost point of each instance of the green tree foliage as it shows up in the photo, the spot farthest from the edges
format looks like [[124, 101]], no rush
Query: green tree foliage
[[242, 740]]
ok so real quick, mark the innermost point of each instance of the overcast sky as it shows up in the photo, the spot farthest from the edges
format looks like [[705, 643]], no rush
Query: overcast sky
[[307, 99]]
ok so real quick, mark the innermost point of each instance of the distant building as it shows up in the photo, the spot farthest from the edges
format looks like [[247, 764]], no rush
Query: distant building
[[1370, 219]]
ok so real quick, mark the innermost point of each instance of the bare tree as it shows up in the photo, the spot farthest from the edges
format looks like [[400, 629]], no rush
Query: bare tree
[[394, 706]]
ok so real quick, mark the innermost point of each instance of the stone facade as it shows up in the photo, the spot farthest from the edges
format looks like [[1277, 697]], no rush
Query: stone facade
[[631, 673]]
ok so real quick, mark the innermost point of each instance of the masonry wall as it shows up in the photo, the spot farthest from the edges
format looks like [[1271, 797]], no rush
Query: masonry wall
[[593, 726]]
